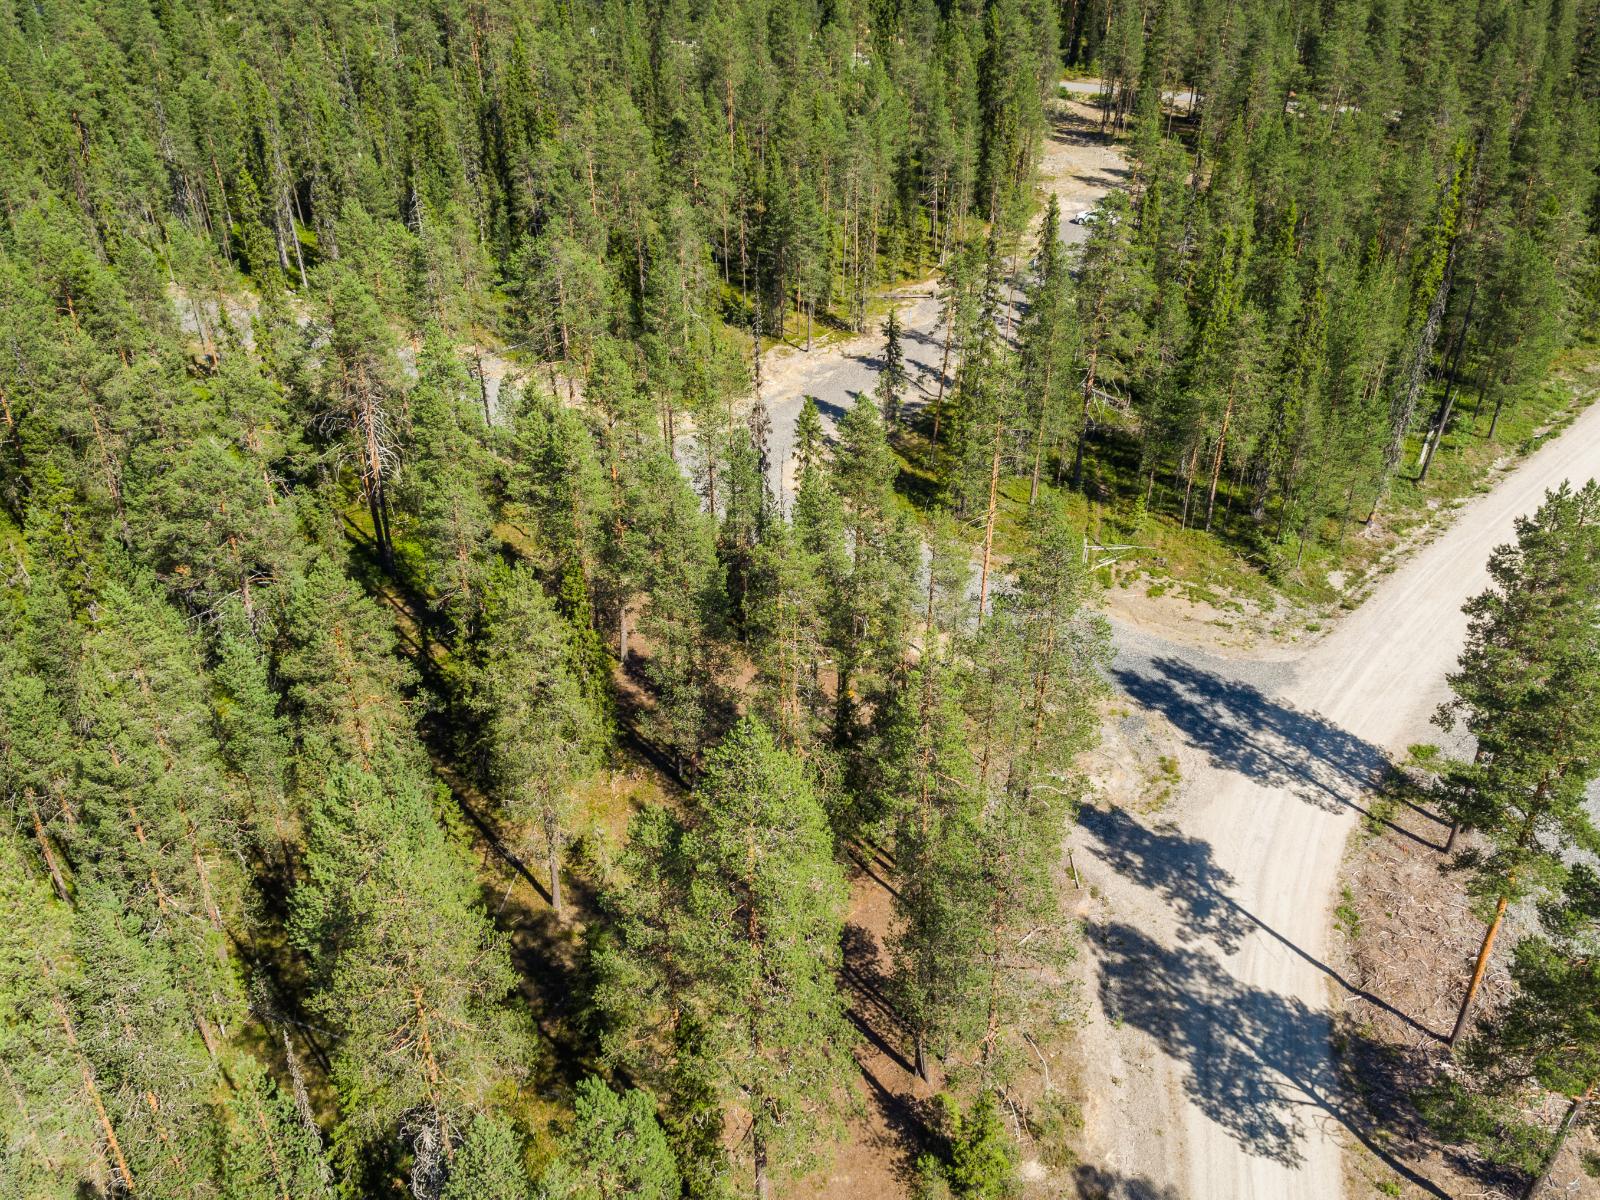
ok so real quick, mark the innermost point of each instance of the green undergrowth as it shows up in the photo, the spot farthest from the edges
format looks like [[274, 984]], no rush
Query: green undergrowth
[[1243, 562]]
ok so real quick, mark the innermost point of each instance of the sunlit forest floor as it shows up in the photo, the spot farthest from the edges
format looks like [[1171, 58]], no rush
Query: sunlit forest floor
[[1404, 927]]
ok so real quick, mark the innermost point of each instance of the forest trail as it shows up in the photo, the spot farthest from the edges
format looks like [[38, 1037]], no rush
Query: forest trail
[[1213, 1073]]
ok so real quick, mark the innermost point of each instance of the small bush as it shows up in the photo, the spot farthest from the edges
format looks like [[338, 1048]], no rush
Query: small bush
[[1055, 1120], [981, 1153], [1346, 916]]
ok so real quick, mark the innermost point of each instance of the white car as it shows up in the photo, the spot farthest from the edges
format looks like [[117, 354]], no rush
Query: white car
[[1093, 216]]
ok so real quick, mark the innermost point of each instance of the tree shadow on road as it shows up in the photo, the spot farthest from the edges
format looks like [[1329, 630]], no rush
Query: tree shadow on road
[[1184, 873], [1258, 1064], [1097, 1183], [1241, 728], [1179, 869]]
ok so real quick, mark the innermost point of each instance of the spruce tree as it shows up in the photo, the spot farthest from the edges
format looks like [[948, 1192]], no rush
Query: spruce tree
[[615, 1150], [58, 1115], [489, 1165], [808, 436], [406, 971], [1111, 304], [444, 483], [892, 377]]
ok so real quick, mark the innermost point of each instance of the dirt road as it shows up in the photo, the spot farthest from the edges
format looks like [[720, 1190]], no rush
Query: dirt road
[[1217, 1079], [1078, 166], [1210, 1074]]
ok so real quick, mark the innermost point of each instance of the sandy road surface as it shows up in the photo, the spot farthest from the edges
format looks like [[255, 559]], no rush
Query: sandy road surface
[[1211, 936], [1211, 1076]]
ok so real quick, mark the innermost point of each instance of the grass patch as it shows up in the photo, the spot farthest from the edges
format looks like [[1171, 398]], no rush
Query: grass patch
[[1165, 780]]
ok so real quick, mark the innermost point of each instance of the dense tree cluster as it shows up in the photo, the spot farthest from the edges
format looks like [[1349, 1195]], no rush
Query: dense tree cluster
[[1338, 225], [284, 575]]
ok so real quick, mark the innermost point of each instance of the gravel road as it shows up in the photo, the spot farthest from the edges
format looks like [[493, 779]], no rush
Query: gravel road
[[1217, 1078], [1210, 1074]]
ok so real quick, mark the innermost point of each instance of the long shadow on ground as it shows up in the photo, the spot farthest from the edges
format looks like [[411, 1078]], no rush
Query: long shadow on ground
[[1258, 1064], [1241, 728], [1183, 872], [908, 1122]]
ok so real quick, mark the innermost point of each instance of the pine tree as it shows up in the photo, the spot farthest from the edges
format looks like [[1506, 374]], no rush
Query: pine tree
[[203, 511], [1549, 1033], [341, 681], [1036, 673], [267, 1151], [157, 817], [541, 734], [35, 762], [362, 393], [787, 630], [870, 592], [738, 932], [154, 1040], [927, 765], [668, 550], [558, 478], [1528, 688], [252, 740], [1047, 342]]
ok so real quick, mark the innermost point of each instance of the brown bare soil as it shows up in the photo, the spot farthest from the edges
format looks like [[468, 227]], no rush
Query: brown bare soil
[[1406, 939], [894, 1122]]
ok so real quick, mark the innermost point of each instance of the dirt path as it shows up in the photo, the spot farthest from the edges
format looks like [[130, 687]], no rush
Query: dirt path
[[1212, 1067]]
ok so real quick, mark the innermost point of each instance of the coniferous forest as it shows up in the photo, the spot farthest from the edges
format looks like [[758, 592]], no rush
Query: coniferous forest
[[317, 620]]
